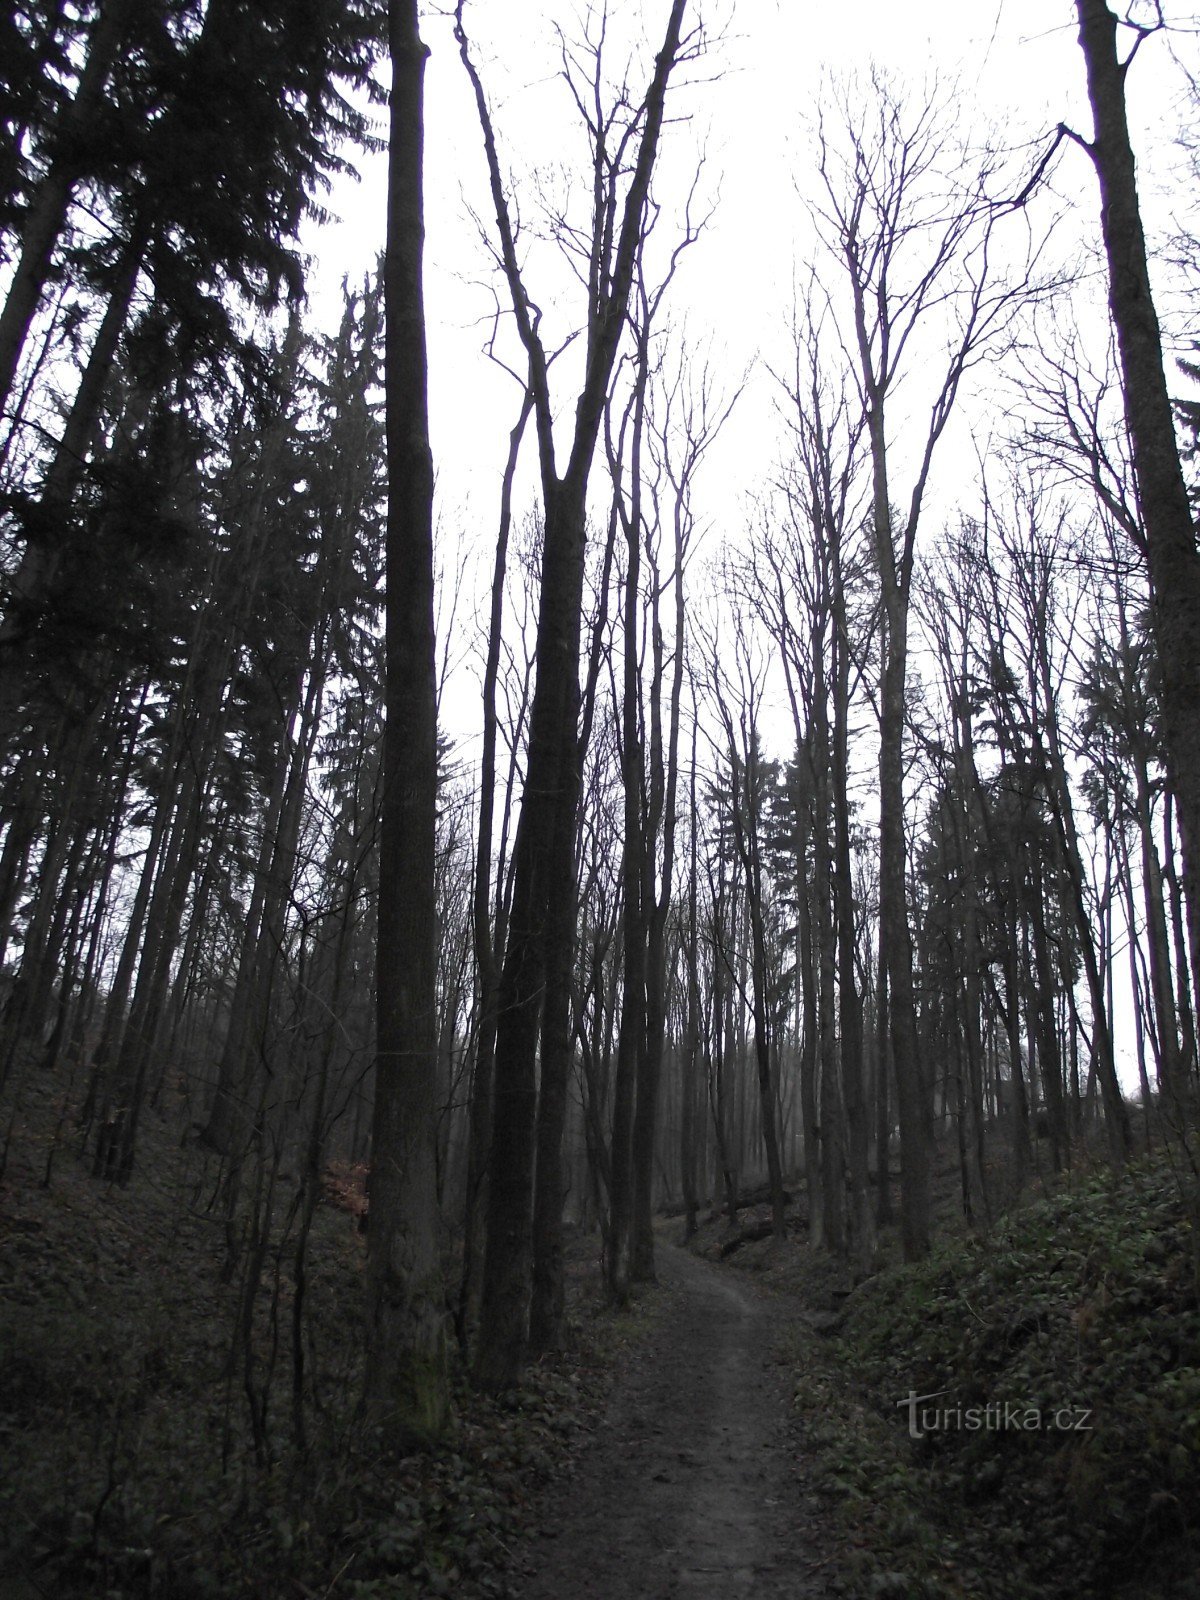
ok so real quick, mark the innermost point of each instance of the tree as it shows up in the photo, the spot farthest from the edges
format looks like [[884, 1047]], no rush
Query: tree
[[1035, 541], [1170, 534], [809, 583], [750, 778], [218, 132], [911, 220], [688, 420], [534, 993], [67, 127], [406, 1358], [487, 914]]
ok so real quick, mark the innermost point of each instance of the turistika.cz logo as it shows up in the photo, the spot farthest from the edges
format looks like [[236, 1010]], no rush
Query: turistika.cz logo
[[997, 1416]]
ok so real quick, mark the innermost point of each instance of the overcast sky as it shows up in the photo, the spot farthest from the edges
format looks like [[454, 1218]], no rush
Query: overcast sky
[[1016, 60]]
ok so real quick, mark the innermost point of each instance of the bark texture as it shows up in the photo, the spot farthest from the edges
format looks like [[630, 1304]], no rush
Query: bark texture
[[406, 1359], [1170, 534]]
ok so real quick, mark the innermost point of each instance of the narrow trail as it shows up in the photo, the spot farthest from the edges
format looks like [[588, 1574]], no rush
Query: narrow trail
[[692, 1487]]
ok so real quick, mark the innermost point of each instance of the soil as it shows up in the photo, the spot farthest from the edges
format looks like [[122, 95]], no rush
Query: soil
[[694, 1485]]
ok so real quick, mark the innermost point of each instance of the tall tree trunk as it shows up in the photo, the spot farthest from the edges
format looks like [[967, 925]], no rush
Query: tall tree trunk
[[850, 1016], [719, 1038], [664, 788], [227, 1103], [547, 1285], [543, 870], [116, 1146], [1172, 1078], [487, 934], [1018, 1101], [833, 1178], [1041, 1014], [746, 791], [883, 1078], [807, 980], [1116, 1112], [1173, 559], [636, 845], [971, 801], [544, 851], [896, 939], [689, 1056], [1187, 1010], [406, 1381]]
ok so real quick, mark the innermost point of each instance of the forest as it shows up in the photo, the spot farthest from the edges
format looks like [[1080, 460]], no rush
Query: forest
[[721, 877]]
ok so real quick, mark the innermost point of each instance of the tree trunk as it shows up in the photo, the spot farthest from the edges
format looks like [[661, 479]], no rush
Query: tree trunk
[[1116, 1112], [487, 933], [883, 1111], [747, 830], [1041, 1013], [406, 1380], [1186, 1009], [1172, 1079], [689, 1055], [664, 789], [1018, 1102], [548, 1290], [833, 1177], [915, 1200], [544, 851], [543, 870], [631, 1042], [808, 985], [1174, 562], [861, 1219]]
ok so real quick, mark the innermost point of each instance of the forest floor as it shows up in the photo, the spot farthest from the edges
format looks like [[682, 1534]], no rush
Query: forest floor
[[734, 1432], [655, 1455]]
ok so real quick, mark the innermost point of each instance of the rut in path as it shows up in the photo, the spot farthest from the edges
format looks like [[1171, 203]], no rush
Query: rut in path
[[692, 1487]]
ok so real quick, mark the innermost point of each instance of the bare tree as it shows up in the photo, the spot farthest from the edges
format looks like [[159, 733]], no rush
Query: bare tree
[[1170, 534], [535, 984], [487, 913], [808, 583], [747, 785], [910, 219], [406, 1384], [687, 417]]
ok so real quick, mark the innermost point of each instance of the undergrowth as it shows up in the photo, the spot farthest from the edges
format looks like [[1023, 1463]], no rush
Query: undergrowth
[[1058, 1448], [130, 1466], [120, 1482]]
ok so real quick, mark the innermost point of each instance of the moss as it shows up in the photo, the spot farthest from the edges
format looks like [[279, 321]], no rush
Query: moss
[[418, 1414]]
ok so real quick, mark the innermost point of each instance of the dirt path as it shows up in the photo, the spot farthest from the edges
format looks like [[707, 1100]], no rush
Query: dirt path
[[692, 1487]]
